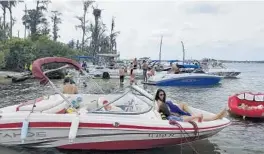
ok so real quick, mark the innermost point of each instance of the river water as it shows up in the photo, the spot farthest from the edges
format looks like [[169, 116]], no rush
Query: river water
[[243, 136]]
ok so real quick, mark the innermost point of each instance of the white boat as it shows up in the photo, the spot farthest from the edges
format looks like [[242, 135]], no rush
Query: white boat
[[216, 68], [183, 79], [43, 123]]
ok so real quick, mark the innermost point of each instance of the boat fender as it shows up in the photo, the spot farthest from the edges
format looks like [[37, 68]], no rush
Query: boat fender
[[24, 130], [74, 129]]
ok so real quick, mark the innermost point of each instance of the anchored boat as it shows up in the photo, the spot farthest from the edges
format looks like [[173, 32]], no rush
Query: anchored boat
[[84, 121], [183, 79]]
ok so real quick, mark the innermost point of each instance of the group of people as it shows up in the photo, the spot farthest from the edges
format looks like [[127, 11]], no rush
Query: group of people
[[147, 71], [167, 109]]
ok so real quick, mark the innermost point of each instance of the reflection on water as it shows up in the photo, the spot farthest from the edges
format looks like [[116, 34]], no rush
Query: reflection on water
[[202, 147], [243, 136]]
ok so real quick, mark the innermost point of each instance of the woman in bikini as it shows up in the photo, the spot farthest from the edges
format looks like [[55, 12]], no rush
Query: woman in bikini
[[163, 108]]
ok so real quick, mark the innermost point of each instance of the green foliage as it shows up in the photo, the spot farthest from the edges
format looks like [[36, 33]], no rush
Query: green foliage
[[2, 59], [15, 53]]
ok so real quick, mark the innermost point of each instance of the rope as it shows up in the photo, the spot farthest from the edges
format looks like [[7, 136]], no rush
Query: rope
[[183, 132], [196, 132]]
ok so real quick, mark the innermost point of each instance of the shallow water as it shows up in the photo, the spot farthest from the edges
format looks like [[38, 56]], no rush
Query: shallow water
[[243, 136]]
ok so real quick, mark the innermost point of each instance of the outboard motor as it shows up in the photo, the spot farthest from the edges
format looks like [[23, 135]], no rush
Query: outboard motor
[[106, 75]]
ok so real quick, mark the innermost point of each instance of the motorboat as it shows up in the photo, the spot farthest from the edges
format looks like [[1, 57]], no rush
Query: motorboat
[[216, 68], [247, 104], [134, 123], [183, 79]]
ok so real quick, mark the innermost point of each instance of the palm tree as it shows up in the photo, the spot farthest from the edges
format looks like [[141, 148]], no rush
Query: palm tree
[[10, 5], [82, 26], [4, 5], [113, 36], [55, 18]]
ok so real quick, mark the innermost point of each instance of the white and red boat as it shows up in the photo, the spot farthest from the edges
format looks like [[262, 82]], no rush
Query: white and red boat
[[136, 125]]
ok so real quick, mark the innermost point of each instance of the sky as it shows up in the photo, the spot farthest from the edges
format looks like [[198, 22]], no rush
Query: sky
[[228, 30]]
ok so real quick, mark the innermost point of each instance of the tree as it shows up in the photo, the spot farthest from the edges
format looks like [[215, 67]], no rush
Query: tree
[[45, 29], [10, 5], [78, 47], [4, 5], [113, 36], [3, 31], [35, 17], [71, 44], [55, 18], [82, 19]]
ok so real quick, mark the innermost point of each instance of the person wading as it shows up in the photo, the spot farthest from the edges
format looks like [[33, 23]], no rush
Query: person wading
[[145, 69]]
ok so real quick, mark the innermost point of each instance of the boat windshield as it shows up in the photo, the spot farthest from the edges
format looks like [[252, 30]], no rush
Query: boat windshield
[[133, 101]]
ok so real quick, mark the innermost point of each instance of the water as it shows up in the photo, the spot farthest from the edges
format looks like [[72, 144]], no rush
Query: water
[[243, 137]]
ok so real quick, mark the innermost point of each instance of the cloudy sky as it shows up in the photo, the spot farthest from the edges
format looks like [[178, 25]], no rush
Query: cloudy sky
[[221, 30]]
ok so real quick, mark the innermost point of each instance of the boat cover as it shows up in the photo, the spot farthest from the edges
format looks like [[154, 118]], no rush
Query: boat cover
[[38, 72]]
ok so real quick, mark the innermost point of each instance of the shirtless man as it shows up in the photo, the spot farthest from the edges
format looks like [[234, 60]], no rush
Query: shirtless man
[[121, 74], [69, 88]]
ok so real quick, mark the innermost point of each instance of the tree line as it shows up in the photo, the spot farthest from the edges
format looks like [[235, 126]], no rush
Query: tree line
[[40, 35]]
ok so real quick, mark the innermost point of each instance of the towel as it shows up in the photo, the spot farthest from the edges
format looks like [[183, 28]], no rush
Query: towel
[[175, 109]]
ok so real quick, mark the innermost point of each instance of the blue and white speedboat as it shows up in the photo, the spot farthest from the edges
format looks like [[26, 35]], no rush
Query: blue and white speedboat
[[184, 79]]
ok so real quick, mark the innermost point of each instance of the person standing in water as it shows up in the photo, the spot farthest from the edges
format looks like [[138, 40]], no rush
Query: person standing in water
[[135, 63], [145, 69], [132, 77], [121, 75]]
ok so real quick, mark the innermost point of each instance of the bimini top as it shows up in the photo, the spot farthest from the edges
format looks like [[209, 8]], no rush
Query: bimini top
[[38, 73]]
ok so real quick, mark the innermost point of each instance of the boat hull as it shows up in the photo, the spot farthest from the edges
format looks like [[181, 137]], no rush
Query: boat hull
[[187, 80], [225, 74], [96, 136]]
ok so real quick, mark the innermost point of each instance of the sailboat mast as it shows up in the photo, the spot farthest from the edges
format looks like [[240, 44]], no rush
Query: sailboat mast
[[183, 52], [160, 49]]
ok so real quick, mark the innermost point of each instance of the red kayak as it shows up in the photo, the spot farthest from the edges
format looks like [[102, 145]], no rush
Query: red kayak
[[247, 104]]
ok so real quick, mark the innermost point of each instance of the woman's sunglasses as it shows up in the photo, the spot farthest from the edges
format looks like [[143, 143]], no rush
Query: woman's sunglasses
[[161, 94]]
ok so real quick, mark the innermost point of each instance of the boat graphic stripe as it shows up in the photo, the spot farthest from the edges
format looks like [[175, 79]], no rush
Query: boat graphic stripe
[[98, 125]]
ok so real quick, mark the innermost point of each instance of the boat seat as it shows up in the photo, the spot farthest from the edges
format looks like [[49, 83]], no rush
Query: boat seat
[[54, 104], [92, 105]]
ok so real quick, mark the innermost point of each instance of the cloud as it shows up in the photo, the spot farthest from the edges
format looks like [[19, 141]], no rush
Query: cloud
[[221, 30]]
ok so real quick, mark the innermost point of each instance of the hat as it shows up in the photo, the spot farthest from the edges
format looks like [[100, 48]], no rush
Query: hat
[[105, 101]]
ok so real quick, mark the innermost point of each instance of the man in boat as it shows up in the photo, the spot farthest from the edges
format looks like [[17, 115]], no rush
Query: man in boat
[[69, 88], [174, 69]]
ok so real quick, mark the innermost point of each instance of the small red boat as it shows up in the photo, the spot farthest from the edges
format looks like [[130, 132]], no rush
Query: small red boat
[[247, 104]]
